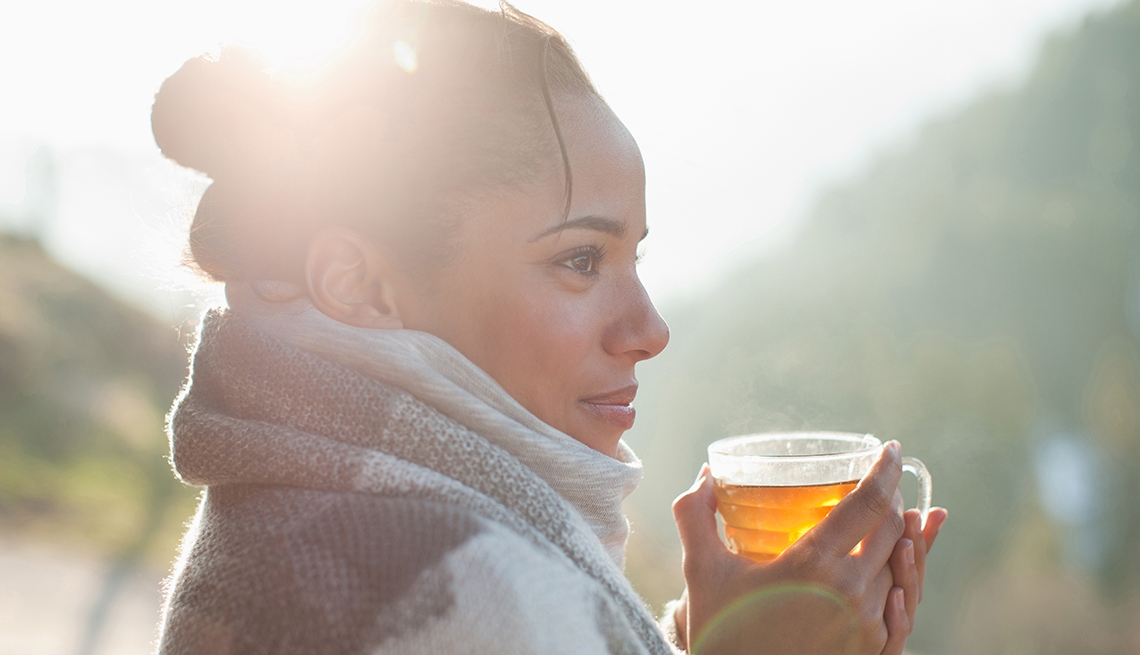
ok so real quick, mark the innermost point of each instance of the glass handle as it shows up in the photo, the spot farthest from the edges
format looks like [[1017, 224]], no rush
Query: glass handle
[[918, 469]]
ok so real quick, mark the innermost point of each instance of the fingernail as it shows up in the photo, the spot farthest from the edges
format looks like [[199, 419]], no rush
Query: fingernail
[[701, 475], [895, 446], [908, 552], [899, 601]]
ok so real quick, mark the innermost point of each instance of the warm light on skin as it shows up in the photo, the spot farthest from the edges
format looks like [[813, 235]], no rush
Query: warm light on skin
[[301, 38], [558, 317]]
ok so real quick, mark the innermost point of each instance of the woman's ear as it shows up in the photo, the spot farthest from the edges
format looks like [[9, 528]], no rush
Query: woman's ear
[[350, 279]]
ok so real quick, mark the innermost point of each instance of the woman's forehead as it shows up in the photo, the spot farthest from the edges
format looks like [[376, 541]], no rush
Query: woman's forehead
[[607, 169], [591, 127], [607, 184]]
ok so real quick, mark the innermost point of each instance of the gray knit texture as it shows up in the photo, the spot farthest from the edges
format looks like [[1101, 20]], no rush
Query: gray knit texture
[[344, 514]]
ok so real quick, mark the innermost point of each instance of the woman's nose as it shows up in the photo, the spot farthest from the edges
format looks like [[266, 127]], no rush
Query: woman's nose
[[640, 331]]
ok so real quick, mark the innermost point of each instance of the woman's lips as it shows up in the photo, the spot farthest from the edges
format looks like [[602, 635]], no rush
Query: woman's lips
[[615, 408], [621, 416]]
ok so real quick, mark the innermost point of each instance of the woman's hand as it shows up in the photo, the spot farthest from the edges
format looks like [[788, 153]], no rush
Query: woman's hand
[[904, 565], [818, 596]]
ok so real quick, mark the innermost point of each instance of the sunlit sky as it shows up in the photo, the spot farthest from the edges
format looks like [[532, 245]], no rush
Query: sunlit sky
[[743, 110]]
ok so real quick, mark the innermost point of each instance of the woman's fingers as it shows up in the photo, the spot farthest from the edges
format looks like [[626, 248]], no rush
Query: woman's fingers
[[905, 574], [934, 522], [877, 547], [863, 509], [913, 532], [695, 514], [713, 575], [898, 625]]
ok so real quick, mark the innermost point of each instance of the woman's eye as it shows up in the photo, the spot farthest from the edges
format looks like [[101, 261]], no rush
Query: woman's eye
[[583, 261]]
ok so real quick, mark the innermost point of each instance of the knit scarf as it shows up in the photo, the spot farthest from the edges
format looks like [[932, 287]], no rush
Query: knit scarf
[[281, 394]]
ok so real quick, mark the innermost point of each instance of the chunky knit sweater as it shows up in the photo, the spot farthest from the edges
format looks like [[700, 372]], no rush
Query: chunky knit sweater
[[374, 492]]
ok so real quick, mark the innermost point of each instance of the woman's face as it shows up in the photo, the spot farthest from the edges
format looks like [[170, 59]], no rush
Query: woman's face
[[552, 310]]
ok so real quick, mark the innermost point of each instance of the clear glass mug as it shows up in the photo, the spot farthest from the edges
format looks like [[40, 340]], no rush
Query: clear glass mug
[[772, 488]]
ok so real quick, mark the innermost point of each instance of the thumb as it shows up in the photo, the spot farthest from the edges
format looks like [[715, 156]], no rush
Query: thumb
[[695, 514], [864, 508]]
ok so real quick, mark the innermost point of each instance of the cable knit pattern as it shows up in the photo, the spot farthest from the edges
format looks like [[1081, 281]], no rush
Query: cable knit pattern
[[372, 491]]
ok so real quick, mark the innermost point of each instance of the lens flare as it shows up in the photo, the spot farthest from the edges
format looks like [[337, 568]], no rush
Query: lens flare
[[298, 37], [405, 56], [750, 619]]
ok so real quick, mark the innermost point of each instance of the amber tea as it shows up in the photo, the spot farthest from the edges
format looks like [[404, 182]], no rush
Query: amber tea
[[772, 488], [760, 522]]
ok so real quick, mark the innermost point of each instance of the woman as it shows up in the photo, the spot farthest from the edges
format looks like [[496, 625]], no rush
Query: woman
[[409, 419]]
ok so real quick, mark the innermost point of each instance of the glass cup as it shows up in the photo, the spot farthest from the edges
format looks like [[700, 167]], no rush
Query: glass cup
[[772, 488]]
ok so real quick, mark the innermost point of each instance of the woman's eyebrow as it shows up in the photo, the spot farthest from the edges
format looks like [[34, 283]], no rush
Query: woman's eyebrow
[[598, 223]]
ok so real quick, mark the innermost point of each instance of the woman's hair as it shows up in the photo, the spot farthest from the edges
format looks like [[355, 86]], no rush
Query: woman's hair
[[432, 101]]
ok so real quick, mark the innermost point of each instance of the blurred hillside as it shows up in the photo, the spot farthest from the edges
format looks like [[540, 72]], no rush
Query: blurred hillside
[[85, 381], [976, 295]]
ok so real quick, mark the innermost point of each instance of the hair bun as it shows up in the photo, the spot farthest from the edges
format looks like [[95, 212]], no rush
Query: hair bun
[[217, 113]]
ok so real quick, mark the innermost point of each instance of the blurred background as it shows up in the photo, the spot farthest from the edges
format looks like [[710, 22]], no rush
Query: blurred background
[[891, 217]]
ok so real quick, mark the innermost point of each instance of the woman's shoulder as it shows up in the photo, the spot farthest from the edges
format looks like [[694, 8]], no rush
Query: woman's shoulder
[[411, 574]]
